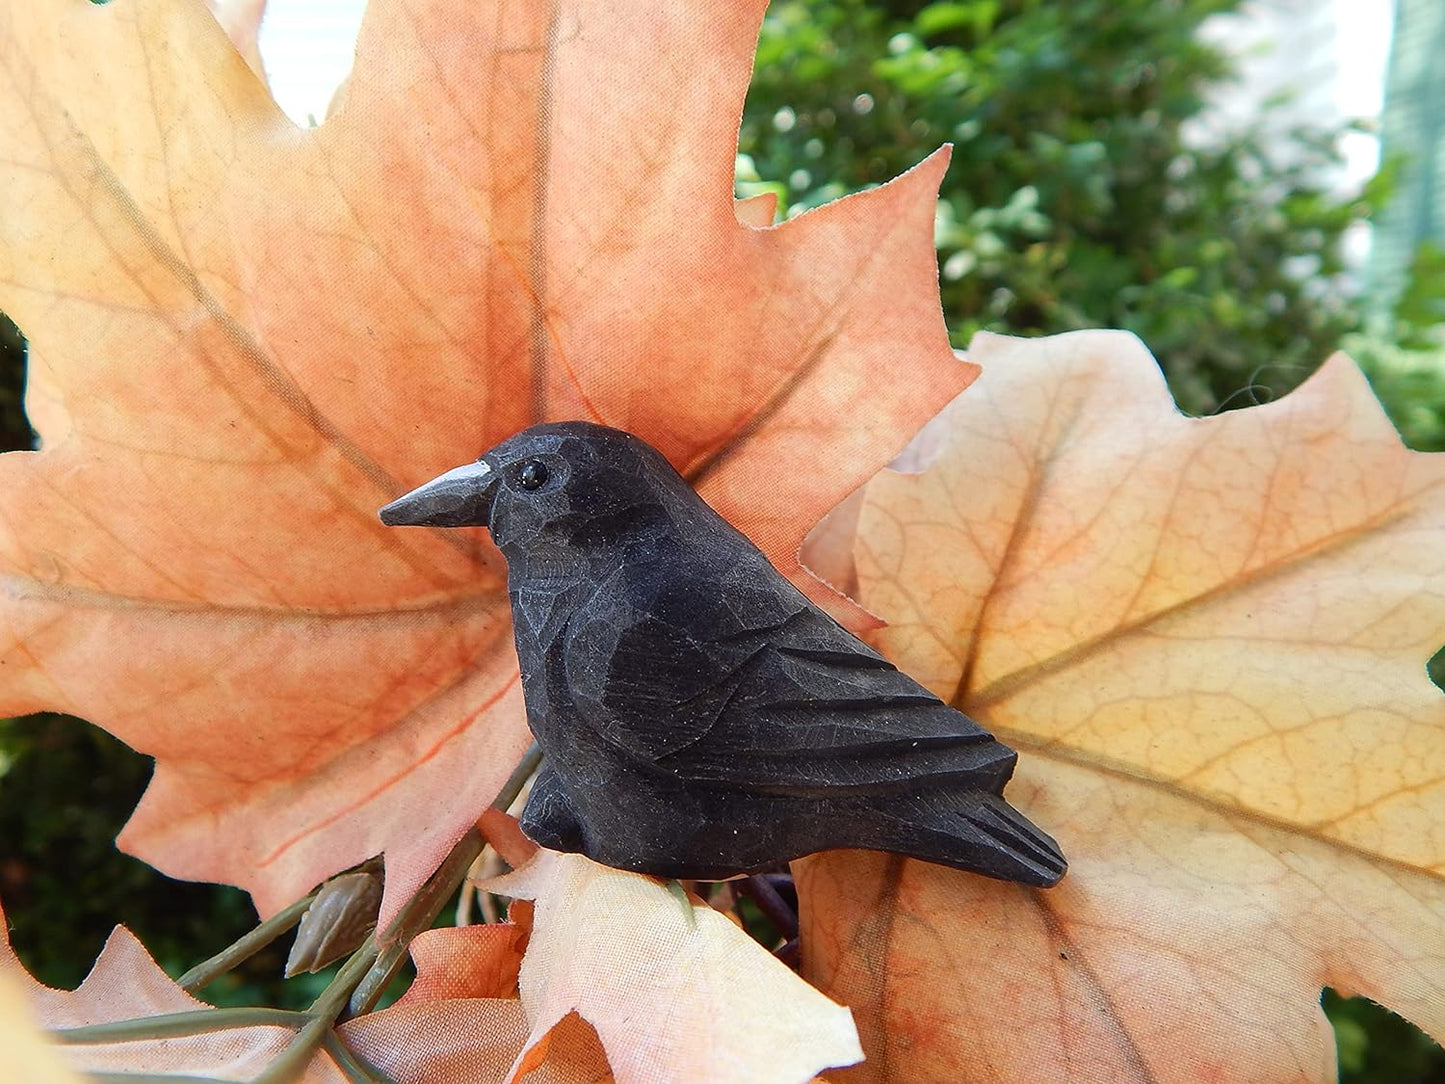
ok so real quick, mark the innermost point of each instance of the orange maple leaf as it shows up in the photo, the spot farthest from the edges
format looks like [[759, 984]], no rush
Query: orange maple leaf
[[1207, 638], [245, 337]]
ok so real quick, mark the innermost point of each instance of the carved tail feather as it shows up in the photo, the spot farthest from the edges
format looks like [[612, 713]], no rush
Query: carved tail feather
[[975, 831], [1026, 852]]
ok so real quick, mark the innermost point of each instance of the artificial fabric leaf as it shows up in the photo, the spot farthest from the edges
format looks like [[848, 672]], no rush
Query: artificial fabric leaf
[[675, 990], [468, 961], [1207, 638], [241, 20], [470, 1041], [126, 984], [246, 336], [467, 977], [438, 1038], [27, 1054]]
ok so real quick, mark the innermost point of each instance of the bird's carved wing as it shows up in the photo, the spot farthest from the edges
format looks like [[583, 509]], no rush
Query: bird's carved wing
[[740, 681]]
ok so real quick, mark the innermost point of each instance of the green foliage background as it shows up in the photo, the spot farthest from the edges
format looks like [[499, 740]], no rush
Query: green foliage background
[[1074, 200]]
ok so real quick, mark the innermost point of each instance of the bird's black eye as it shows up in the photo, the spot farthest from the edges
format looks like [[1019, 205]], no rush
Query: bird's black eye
[[533, 474]]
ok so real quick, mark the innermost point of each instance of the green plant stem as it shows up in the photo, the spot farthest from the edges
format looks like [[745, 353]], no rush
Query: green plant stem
[[422, 910], [525, 769], [354, 990], [324, 1011], [206, 972], [149, 1078], [530, 762], [354, 1068], [313, 1029], [173, 1025], [419, 913], [368, 992]]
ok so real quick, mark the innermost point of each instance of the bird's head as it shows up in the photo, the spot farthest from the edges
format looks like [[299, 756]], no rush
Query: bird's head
[[567, 483]]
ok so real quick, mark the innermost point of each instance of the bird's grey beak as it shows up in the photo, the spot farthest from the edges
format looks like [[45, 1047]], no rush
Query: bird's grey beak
[[461, 497]]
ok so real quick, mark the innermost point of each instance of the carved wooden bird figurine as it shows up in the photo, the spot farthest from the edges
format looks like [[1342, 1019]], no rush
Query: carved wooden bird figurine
[[699, 717]]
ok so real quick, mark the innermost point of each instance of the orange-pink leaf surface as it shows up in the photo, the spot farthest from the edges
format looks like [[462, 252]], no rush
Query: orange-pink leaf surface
[[125, 984], [467, 961], [675, 990], [247, 336], [1207, 638], [462, 1034]]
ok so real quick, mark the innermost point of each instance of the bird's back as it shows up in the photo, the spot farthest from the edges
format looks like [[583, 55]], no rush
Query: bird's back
[[711, 685]]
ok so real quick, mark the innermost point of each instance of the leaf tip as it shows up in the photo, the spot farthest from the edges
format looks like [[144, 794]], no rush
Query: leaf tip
[[504, 832]]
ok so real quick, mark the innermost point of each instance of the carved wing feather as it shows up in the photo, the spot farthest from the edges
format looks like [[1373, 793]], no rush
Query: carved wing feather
[[741, 682]]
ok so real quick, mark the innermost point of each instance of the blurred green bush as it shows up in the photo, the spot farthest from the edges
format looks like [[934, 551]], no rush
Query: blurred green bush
[[66, 788], [1074, 198]]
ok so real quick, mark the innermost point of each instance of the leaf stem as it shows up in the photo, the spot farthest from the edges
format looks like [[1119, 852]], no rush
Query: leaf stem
[[506, 797], [530, 762], [418, 914], [354, 990], [148, 1078], [421, 911], [355, 1069], [177, 1024], [206, 972], [771, 903], [291, 1063], [368, 992]]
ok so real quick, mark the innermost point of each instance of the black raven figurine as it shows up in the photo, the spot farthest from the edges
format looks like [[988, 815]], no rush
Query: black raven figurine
[[699, 717]]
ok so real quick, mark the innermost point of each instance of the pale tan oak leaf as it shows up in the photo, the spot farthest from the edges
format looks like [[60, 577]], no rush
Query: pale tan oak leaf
[[1207, 639], [674, 989], [126, 984], [456, 1037]]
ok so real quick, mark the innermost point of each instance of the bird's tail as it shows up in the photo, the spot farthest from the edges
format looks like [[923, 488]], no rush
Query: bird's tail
[[1016, 848], [975, 831]]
